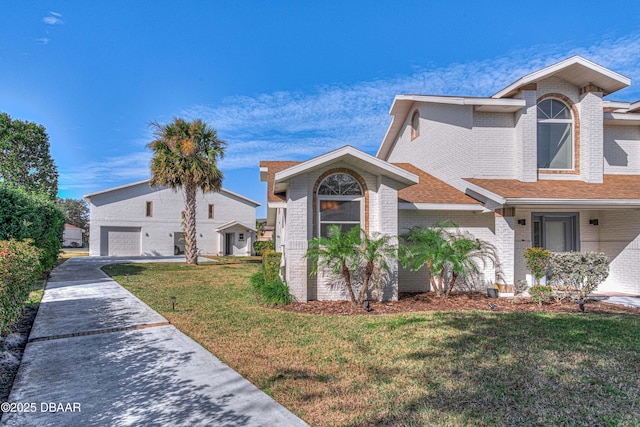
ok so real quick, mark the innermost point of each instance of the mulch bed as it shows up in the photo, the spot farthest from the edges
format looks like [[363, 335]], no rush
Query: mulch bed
[[461, 301]]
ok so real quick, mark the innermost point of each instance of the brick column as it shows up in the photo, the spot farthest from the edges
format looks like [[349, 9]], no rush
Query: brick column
[[505, 245]]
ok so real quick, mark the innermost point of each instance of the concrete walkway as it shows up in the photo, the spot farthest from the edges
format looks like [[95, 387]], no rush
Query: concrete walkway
[[98, 356]]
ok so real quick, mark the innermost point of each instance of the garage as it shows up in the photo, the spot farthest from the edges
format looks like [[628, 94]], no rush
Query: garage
[[120, 241]]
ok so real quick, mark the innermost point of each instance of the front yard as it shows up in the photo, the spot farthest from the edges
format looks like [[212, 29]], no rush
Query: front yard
[[425, 368]]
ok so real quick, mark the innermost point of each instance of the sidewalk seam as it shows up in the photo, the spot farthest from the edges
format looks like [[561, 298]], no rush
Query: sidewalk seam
[[98, 332]]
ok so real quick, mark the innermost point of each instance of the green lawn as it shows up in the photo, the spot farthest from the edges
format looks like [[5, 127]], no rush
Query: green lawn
[[436, 368]]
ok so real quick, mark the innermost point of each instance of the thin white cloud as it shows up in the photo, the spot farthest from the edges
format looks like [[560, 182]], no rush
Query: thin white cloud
[[298, 126], [43, 40], [294, 125], [53, 18], [102, 174]]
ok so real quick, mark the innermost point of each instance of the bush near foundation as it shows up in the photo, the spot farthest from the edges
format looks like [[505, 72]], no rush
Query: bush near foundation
[[270, 293], [261, 246], [271, 265], [578, 272], [29, 216], [19, 272]]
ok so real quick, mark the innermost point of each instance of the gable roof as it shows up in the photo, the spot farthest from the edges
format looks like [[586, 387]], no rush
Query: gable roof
[[577, 71], [88, 197], [623, 190], [230, 224], [404, 104], [278, 173]]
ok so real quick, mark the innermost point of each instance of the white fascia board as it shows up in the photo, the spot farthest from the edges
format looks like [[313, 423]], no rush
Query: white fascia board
[[486, 193], [559, 66], [120, 187], [276, 205], [264, 173], [393, 170], [629, 119], [616, 105], [239, 196], [233, 224], [442, 207], [599, 203], [634, 107]]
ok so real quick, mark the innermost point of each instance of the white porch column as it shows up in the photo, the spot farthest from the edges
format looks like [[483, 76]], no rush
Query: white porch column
[[505, 245], [249, 250]]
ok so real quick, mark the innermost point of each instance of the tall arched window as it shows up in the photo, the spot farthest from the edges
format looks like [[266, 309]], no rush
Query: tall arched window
[[415, 125], [340, 198], [555, 135]]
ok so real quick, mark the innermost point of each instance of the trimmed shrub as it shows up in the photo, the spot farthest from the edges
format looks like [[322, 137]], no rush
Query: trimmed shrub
[[261, 246], [19, 272], [28, 216], [541, 294], [579, 272], [537, 262], [271, 265]]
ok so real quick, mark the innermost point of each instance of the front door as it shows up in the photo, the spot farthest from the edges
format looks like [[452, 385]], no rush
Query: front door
[[228, 243], [557, 232]]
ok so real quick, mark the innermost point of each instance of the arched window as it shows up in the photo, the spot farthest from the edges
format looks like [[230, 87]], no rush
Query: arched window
[[555, 135], [415, 124], [340, 199]]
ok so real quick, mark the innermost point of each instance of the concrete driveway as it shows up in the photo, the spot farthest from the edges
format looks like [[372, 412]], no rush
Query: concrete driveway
[[98, 356]]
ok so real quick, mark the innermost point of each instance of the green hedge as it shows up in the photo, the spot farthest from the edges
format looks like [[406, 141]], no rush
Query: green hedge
[[271, 265], [19, 271], [27, 216], [260, 246]]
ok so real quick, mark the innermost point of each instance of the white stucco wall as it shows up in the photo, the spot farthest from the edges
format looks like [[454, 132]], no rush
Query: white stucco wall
[[126, 207]]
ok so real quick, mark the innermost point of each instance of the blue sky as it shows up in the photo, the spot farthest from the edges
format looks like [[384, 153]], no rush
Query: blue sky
[[277, 79]]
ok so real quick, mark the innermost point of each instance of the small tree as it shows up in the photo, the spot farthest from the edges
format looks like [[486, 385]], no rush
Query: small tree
[[25, 158], [537, 261], [446, 254], [339, 251], [375, 251]]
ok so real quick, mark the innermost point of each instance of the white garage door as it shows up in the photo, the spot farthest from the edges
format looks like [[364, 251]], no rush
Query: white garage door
[[120, 241]]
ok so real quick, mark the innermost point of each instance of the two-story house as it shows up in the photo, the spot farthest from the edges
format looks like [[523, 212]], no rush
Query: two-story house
[[136, 219], [544, 162]]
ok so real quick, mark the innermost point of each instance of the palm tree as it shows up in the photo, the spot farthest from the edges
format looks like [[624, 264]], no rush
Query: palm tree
[[445, 253], [374, 252], [339, 251], [185, 155]]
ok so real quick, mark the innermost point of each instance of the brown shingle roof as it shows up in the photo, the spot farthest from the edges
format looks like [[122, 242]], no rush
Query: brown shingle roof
[[613, 187], [431, 189], [274, 167]]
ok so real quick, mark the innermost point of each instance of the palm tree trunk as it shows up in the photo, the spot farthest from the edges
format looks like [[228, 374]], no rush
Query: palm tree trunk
[[190, 244], [347, 281], [452, 283], [368, 272]]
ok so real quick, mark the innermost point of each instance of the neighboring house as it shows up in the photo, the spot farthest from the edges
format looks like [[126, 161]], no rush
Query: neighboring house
[[544, 162], [72, 236], [136, 219], [265, 232]]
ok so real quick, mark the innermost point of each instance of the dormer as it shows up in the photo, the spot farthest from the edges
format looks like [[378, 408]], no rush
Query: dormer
[[559, 134]]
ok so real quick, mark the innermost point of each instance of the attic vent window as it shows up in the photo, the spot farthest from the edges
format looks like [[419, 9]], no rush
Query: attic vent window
[[415, 125]]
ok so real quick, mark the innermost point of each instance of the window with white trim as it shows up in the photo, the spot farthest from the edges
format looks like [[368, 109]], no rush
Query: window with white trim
[[555, 135], [340, 202], [415, 125]]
